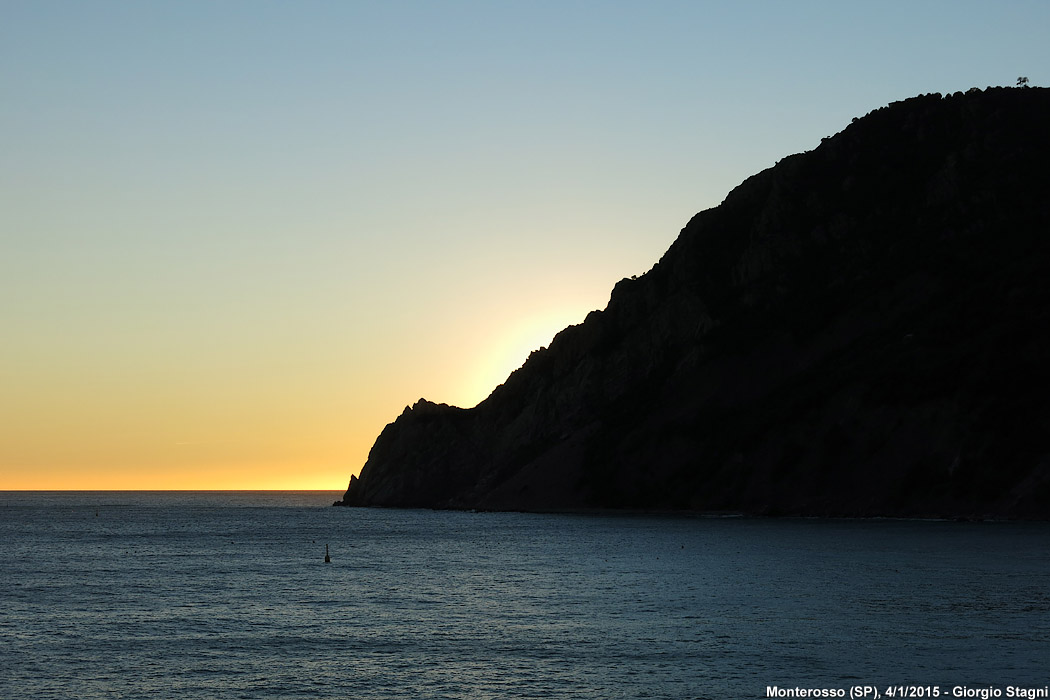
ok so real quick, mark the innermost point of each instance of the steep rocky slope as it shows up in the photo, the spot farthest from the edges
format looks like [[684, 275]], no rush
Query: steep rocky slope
[[863, 329]]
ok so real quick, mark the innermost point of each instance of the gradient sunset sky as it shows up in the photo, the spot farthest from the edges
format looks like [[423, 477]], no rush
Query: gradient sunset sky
[[238, 238]]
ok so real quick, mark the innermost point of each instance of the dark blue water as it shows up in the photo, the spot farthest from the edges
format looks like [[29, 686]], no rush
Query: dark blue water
[[226, 595]]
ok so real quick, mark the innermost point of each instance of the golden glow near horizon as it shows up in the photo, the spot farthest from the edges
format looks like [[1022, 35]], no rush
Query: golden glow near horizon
[[151, 416], [236, 241]]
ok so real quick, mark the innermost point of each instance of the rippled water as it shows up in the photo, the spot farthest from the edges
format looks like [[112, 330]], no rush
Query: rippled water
[[226, 595]]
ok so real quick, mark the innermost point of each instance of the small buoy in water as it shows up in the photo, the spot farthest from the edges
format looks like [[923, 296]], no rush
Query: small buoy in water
[[327, 559]]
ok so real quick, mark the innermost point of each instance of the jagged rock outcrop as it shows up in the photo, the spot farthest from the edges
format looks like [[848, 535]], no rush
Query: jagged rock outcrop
[[863, 329]]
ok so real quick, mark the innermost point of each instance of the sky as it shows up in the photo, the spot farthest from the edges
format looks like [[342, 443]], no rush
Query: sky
[[237, 238]]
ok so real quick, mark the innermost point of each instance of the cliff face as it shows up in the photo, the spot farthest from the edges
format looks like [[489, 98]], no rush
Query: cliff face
[[863, 329]]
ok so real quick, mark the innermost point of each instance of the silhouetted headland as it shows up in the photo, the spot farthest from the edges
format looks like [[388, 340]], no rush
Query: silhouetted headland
[[862, 329]]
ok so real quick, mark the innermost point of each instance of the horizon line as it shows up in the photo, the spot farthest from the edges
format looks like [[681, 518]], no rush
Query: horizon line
[[160, 490]]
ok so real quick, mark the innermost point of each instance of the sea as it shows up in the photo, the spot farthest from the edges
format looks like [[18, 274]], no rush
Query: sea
[[228, 595]]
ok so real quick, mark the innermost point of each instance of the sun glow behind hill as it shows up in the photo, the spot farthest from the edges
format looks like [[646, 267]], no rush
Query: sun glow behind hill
[[511, 348]]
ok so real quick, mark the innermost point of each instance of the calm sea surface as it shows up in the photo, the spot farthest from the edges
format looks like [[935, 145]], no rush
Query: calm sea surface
[[226, 595]]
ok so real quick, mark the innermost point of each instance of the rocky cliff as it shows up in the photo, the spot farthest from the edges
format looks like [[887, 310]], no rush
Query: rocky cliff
[[862, 329]]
